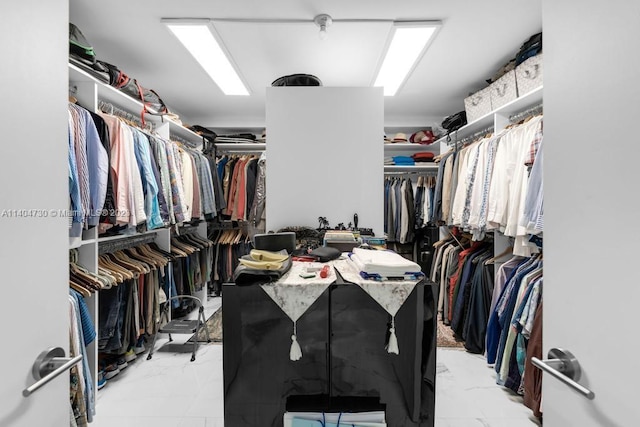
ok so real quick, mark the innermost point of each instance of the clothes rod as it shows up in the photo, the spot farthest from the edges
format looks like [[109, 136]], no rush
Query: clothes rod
[[109, 108], [473, 137], [124, 243], [532, 111], [401, 173], [185, 230], [189, 144]]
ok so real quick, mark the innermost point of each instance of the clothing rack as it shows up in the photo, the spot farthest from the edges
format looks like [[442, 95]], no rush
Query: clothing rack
[[533, 111], [472, 137], [411, 173], [238, 148], [185, 230], [189, 144], [109, 108], [111, 246]]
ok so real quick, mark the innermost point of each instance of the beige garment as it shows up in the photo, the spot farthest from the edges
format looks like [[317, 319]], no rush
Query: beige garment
[[446, 187]]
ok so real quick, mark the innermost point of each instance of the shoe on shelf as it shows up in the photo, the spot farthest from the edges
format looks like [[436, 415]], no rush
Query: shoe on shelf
[[130, 355], [102, 380]]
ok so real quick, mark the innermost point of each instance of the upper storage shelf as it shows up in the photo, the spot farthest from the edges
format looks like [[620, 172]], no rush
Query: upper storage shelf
[[107, 93], [519, 104]]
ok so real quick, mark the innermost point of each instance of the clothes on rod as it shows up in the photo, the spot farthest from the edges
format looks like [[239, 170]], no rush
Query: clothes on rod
[[512, 325], [81, 334], [122, 178], [407, 207], [230, 246], [496, 314], [238, 175], [485, 186], [88, 171], [424, 190]]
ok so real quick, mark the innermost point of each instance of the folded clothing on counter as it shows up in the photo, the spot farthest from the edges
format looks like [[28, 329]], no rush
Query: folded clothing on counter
[[385, 263]]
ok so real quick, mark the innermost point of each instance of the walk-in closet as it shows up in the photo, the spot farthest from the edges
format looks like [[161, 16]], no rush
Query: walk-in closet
[[341, 233]]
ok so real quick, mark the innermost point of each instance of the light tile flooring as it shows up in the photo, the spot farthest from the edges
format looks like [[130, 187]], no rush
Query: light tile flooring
[[171, 391]]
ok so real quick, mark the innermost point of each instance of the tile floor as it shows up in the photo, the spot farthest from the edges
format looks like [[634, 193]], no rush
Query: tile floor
[[171, 391]]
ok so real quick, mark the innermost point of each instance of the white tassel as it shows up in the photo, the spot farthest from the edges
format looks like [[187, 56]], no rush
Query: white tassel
[[392, 346], [296, 352]]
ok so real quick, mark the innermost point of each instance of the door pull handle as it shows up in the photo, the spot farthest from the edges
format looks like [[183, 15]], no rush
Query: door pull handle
[[563, 365], [48, 365]]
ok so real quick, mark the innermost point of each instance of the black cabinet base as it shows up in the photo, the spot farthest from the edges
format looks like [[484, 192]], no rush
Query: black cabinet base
[[344, 367]]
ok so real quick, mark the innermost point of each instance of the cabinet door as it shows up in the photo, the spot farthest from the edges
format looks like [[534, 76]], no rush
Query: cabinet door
[[362, 367], [258, 373], [34, 193]]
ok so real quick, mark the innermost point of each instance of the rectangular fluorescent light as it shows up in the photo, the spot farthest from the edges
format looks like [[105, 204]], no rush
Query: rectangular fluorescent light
[[409, 41], [202, 41]]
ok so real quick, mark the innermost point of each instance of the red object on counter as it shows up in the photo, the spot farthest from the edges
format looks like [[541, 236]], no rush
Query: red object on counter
[[325, 271]]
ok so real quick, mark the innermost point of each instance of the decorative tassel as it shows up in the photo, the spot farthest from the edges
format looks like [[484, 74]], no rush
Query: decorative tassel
[[392, 346], [296, 352]]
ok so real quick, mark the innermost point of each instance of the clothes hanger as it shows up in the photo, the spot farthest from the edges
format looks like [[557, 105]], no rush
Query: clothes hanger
[[84, 275], [133, 255], [83, 291], [106, 262], [154, 250], [160, 260], [137, 255], [182, 246], [114, 278], [79, 281], [507, 251], [118, 258]]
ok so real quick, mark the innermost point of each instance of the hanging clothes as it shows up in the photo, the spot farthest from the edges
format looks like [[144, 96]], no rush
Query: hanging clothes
[[485, 186], [88, 170]]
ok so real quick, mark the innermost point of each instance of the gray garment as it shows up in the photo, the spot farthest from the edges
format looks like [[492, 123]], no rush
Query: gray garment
[[260, 197], [447, 216], [437, 197], [451, 267], [532, 218], [159, 150]]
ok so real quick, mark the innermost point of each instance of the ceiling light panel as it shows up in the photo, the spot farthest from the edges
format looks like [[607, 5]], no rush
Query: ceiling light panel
[[200, 39], [409, 41]]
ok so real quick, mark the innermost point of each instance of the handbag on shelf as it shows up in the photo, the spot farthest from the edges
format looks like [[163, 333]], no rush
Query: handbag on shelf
[[152, 103], [454, 122]]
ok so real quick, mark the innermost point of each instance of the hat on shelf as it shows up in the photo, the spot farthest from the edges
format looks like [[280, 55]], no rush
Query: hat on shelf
[[424, 137], [426, 156], [400, 137]]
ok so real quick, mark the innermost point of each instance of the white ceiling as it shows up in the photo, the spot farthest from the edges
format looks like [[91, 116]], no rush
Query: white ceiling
[[476, 38]]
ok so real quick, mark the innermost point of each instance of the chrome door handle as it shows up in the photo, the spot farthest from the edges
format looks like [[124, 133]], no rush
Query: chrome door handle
[[48, 365], [562, 365]]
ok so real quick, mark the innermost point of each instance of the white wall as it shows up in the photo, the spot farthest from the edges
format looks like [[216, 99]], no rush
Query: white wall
[[324, 156]]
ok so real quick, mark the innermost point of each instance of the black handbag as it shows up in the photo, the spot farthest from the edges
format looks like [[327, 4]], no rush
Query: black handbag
[[455, 121]]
